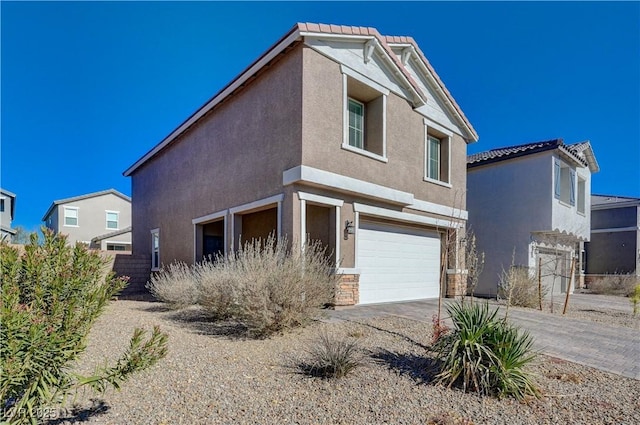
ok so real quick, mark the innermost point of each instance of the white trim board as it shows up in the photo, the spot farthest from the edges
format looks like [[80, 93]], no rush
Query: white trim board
[[433, 208], [325, 200], [257, 204], [616, 229], [210, 217], [404, 217], [305, 174]]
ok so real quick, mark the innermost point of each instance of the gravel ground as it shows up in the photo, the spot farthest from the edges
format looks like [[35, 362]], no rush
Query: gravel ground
[[213, 376]]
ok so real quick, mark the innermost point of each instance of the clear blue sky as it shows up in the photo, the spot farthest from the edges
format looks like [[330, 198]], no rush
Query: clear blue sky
[[88, 88]]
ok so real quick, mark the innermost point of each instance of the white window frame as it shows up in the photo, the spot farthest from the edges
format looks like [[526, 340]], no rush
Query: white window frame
[[359, 142], [346, 73], [117, 213], [155, 264], [444, 136], [564, 180], [64, 216], [581, 207]]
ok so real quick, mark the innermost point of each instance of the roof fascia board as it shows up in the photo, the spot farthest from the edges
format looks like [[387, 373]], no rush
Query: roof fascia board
[[418, 98], [615, 205], [241, 79], [412, 54], [511, 156]]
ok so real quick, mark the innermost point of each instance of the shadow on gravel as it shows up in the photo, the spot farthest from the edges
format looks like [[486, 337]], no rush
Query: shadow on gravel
[[394, 333], [80, 414], [196, 320], [421, 369], [158, 307]]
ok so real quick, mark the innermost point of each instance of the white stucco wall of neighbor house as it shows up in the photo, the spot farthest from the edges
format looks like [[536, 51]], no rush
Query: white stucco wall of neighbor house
[[565, 217], [506, 202]]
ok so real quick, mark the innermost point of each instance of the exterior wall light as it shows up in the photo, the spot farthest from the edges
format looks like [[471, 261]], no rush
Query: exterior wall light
[[349, 229]]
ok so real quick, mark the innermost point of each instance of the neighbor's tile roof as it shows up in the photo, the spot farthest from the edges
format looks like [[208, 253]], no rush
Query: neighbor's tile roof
[[512, 151], [612, 199]]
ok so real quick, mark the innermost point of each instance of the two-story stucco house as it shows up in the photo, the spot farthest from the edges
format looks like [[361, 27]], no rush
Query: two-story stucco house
[[7, 211], [102, 220], [530, 205], [615, 236], [336, 133]]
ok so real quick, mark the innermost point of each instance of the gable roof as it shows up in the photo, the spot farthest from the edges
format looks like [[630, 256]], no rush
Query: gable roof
[[615, 201], [112, 234], [81, 197], [577, 152], [294, 35]]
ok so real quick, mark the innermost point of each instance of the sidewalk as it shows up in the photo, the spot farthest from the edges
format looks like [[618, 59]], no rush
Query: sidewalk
[[610, 348]]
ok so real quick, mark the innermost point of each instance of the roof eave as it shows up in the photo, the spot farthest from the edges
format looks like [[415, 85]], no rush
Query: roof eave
[[270, 54]]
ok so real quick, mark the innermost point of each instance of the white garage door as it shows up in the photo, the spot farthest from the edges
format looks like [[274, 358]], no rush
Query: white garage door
[[397, 263]]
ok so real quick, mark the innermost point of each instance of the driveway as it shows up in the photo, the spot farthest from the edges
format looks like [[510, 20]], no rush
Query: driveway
[[613, 349]]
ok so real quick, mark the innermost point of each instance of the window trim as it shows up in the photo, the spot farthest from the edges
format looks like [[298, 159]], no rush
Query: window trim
[[64, 216], [155, 234], [117, 213], [584, 195], [346, 73], [430, 128], [558, 193]]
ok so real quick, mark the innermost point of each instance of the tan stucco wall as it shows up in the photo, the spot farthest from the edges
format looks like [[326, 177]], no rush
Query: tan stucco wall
[[233, 156], [92, 218], [322, 137]]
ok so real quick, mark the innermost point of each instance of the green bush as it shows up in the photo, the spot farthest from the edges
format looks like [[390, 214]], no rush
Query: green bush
[[51, 296], [485, 354], [635, 299], [332, 357]]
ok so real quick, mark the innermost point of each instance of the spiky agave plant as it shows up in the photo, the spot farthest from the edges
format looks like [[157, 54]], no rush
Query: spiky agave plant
[[484, 354]]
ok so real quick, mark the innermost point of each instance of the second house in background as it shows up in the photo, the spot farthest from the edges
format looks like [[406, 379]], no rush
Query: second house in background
[[336, 133], [529, 206], [101, 220]]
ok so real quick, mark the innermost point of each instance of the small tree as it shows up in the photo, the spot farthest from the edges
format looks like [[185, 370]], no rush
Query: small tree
[[474, 261], [51, 296]]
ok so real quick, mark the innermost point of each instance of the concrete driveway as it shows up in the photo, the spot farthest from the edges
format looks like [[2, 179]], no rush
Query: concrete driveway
[[610, 348]]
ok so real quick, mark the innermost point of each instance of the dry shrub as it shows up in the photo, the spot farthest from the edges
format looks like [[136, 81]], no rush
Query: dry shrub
[[614, 284], [267, 286], [175, 285], [520, 289], [332, 357]]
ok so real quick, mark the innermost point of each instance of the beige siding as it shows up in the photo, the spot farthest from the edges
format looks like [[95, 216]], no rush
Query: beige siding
[[233, 156], [322, 137]]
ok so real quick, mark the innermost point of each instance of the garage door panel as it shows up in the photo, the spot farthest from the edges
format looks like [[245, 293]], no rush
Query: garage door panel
[[397, 263]]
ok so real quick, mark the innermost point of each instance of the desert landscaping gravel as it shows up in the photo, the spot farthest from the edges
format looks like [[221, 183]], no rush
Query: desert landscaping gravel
[[212, 375]]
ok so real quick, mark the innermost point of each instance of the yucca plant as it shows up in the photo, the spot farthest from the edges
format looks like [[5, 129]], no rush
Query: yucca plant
[[484, 354]]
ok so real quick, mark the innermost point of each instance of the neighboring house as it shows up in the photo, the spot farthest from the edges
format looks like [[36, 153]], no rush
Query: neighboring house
[[102, 220], [529, 206], [336, 133], [615, 236], [7, 213]]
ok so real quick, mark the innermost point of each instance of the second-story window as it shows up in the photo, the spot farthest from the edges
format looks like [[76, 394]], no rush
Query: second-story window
[[71, 216], [365, 113], [356, 124], [112, 220], [564, 187], [582, 195], [437, 145], [433, 157]]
